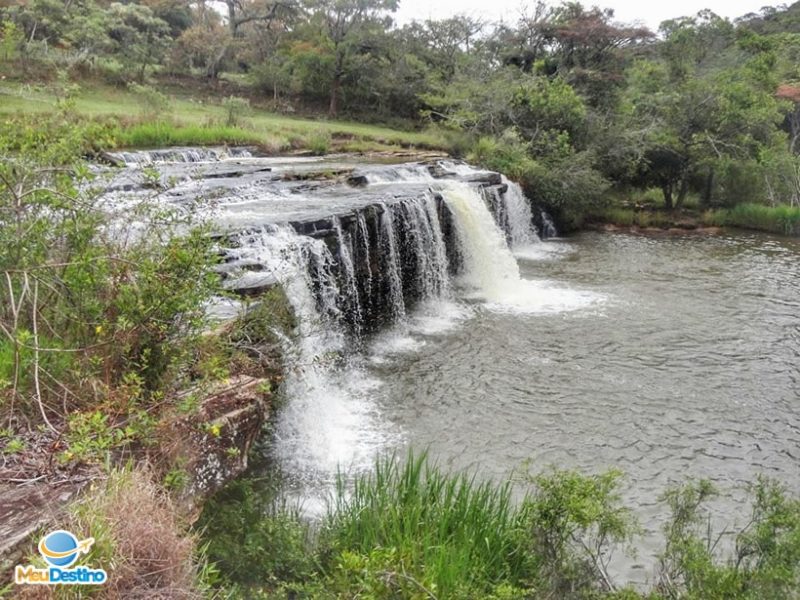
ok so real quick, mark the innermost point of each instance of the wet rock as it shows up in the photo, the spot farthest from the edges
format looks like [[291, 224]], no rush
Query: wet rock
[[232, 174], [487, 178], [357, 180], [250, 283], [212, 446]]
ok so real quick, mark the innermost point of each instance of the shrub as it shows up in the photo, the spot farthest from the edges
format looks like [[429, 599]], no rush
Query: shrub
[[318, 142], [765, 562], [82, 300], [137, 538], [254, 538], [235, 110], [153, 104]]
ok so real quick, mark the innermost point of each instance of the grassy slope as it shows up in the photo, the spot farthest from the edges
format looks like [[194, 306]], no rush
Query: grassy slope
[[270, 129]]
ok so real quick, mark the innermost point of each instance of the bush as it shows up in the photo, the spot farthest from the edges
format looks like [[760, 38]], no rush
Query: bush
[[318, 142], [765, 562], [235, 110], [137, 538], [86, 322], [153, 104], [254, 538]]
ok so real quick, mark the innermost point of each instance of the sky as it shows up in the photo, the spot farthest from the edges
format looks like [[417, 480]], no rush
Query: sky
[[646, 12]]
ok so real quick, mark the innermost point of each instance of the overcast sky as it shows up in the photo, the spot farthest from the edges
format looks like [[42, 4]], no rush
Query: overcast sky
[[647, 12]]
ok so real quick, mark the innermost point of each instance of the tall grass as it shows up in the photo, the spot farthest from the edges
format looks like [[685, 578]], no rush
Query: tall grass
[[445, 532], [782, 219], [144, 135], [628, 217]]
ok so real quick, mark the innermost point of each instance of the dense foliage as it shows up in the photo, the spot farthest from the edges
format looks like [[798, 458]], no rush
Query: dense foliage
[[566, 99], [410, 530], [90, 344]]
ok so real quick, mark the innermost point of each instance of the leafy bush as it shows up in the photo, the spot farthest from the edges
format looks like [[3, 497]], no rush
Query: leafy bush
[[318, 142], [235, 110], [508, 155], [82, 305], [153, 104], [765, 562], [254, 538]]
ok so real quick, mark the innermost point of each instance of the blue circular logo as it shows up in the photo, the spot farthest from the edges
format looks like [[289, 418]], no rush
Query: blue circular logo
[[59, 548]]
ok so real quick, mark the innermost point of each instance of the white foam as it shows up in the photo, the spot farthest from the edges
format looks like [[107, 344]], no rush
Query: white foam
[[548, 250], [540, 297]]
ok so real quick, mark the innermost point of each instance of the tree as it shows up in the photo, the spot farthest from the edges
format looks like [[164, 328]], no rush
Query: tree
[[344, 24], [140, 38], [696, 126], [241, 12]]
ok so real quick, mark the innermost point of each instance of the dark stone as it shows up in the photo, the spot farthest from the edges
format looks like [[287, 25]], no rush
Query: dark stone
[[357, 180], [488, 178]]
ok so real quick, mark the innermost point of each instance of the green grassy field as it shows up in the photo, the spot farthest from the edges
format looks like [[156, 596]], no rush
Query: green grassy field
[[188, 121]]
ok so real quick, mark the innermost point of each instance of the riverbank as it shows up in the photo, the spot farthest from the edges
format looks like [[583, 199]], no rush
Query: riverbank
[[150, 119], [345, 213], [782, 219]]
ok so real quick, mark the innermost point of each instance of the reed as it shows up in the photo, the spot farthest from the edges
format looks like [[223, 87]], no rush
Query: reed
[[446, 532], [784, 219], [159, 134]]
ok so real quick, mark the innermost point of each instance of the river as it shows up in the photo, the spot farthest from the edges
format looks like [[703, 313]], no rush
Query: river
[[431, 316]]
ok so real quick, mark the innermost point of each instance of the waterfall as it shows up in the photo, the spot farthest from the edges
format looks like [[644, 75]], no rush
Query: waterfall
[[370, 273], [490, 269], [348, 273], [330, 420], [548, 227], [519, 216], [147, 158], [390, 264]]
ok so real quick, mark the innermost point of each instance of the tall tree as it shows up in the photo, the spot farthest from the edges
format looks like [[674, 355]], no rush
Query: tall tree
[[343, 24]]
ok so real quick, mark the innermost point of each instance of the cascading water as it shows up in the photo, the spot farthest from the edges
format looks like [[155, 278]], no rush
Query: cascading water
[[370, 273], [390, 263], [329, 421], [519, 216], [489, 268], [490, 271], [548, 227], [178, 155]]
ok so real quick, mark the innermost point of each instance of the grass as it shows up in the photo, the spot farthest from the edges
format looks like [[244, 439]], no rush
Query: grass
[[783, 219], [138, 541], [148, 135], [202, 121], [628, 217], [412, 530], [447, 532]]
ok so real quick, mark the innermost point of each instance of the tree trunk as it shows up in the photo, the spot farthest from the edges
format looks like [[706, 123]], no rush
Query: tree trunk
[[232, 17], [333, 110], [708, 189], [682, 192], [667, 190]]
